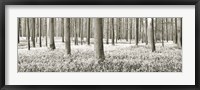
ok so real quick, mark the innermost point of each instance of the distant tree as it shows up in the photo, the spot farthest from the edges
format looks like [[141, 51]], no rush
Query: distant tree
[[167, 29], [98, 35], [51, 24], [46, 31], [116, 28], [76, 30], [113, 31], [176, 38], [146, 31], [163, 32], [129, 29], [81, 29], [62, 29], [107, 31], [40, 31], [88, 32], [172, 25], [67, 35], [28, 32], [180, 34], [151, 29], [33, 31], [136, 31], [18, 31]]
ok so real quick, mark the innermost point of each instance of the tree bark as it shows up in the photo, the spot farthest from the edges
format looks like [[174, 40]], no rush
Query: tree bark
[[113, 31], [51, 24], [163, 32], [136, 31], [151, 29], [62, 29], [28, 32], [129, 30], [180, 34], [40, 31], [18, 31], [146, 31], [67, 35], [88, 32], [33, 31], [176, 31], [98, 35]]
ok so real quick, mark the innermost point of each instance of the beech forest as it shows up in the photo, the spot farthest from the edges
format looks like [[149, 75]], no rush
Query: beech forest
[[90, 44]]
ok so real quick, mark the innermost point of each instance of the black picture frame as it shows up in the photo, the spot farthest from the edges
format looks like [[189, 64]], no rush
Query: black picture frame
[[3, 3]]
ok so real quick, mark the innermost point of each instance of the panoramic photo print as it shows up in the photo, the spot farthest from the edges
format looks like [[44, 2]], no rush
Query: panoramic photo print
[[88, 44]]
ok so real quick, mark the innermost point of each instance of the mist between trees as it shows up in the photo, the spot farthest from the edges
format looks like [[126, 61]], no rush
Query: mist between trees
[[99, 32]]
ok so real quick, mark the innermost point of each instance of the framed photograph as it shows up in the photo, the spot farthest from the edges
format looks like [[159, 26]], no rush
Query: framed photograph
[[99, 44]]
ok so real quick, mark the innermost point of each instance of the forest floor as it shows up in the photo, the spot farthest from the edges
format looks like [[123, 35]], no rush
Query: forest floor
[[122, 57]]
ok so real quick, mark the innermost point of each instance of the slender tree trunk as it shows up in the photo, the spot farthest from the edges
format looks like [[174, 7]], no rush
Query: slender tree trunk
[[107, 31], [136, 31], [81, 29], [167, 29], [51, 24], [18, 31], [76, 30], [163, 32], [176, 31], [67, 35], [62, 29], [28, 32], [172, 35], [155, 29], [180, 35], [146, 31], [98, 35], [113, 31], [40, 31], [142, 29], [88, 32], [150, 26], [129, 30], [46, 31], [33, 31], [126, 28], [116, 27]]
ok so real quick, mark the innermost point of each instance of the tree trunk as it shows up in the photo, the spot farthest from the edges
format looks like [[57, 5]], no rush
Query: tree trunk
[[151, 29], [113, 31], [28, 32], [33, 31], [76, 30], [136, 31], [167, 30], [46, 31], [129, 30], [172, 35], [180, 34], [98, 35], [155, 29], [62, 29], [51, 24], [81, 30], [88, 32], [176, 31], [116, 27], [18, 31], [107, 31], [67, 35], [40, 31], [163, 32], [146, 31]]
